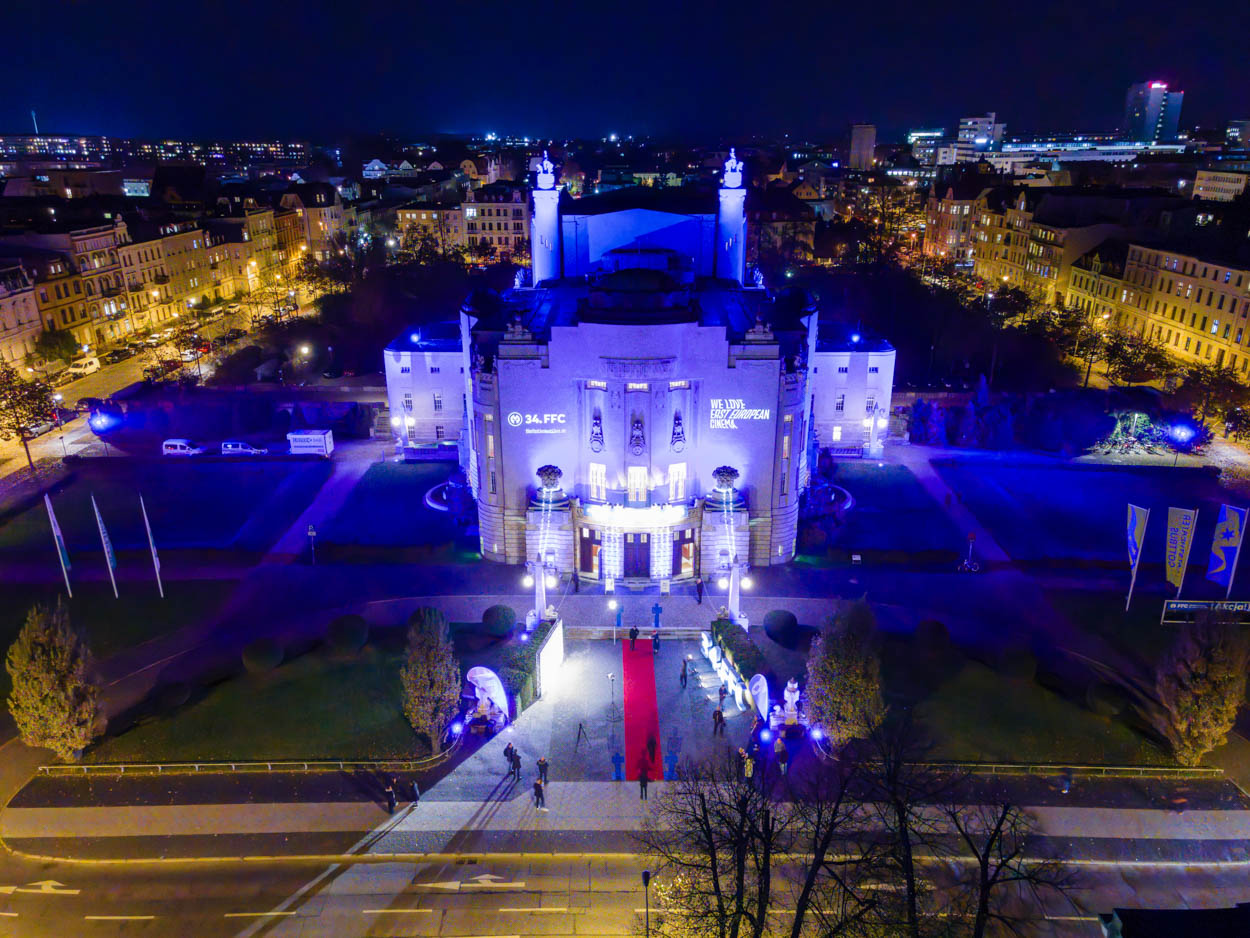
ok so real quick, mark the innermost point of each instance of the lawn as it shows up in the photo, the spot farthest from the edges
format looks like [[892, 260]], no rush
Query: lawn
[[315, 707], [894, 519], [1074, 514], [111, 625], [387, 509], [191, 504], [979, 715]]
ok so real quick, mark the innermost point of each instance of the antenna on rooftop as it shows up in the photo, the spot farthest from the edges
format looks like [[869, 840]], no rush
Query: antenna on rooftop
[[34, 120]]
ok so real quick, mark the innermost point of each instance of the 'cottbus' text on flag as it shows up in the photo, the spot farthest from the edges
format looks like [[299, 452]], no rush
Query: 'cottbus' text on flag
[[1226, 545], [108, 546], [1136, 533], [1180, 539]]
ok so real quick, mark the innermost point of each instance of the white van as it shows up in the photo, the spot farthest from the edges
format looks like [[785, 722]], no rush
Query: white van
[[180, 448], [239, 448], [311, 443], [84, 366]]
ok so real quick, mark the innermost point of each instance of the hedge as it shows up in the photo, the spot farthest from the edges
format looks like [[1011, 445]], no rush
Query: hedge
[[498, 620], [520, 659], [520, 687], [739, 651], [782, 626]]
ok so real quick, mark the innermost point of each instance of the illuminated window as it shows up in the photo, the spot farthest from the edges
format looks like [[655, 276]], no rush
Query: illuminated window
[[438, 401], [490, 445], [677, 385], [636, 483], [837, 432], [408, 401], [601, 385], [677, 482], [839, 403], [598, 480], [637, 386]]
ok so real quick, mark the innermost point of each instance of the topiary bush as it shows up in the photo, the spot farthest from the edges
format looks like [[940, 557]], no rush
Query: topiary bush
[[499, 620], [782, 626], [262, 655], [739, 651], [346, 635]]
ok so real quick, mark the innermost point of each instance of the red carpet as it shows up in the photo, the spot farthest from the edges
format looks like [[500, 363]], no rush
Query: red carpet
[[642, 715]]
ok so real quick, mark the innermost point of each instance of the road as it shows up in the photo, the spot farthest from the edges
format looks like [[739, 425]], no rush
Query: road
[[470, 896]]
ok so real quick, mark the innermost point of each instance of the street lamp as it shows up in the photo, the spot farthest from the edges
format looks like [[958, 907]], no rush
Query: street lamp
[[56, 412], [614, 606], [731, 578], [646, 892], [540, 574]]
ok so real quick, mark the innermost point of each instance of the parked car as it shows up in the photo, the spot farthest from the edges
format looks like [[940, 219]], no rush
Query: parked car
[[118, 355], [232, 307], [153, 341], [87, 404], [240, 448], [233, 334], [136, 346], [220, 342], [180, 448], [83, 367], [37, 429], [191, 354]]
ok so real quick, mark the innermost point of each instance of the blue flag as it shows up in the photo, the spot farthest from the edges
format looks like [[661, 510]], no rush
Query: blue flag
[[1226, 545], [108, 547], [1137, 518]]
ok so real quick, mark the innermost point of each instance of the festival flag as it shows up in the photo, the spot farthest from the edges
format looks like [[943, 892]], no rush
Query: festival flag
[[1181, 523], [1137, 521], [156, 561], [108, 546], [61, 550], [1226, 546]]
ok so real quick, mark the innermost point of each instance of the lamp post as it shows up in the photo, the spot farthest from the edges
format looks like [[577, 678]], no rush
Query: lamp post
[[56, 412], [731, 578], [646, 904], [542, 576], [616, 622]]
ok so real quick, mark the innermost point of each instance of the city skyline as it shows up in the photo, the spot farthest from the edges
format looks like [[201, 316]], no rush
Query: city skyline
[[708, 71]]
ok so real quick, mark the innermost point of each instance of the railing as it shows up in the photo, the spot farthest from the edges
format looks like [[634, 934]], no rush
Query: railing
[[192, 768]]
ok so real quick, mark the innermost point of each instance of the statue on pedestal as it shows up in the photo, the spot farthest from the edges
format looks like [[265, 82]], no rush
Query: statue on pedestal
[[791, 695], [546, 173], [733, 171]]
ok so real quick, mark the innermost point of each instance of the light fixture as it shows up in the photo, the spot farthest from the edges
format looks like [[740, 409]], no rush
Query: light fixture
[[551, 582], [527, 581], [747, 582], [611, 603], [723, 582]]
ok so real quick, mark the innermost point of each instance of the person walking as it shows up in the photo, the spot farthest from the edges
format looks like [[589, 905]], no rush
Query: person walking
[[516, 764], [655, 642], [633, 636], [698, 590], [539, 801], [684, 664], [416, 792], [718, 721], [642, 783], [389, 791], [748, 767], [723, 692], [542, 768], [577, 583], [507, 757], [783, 759]]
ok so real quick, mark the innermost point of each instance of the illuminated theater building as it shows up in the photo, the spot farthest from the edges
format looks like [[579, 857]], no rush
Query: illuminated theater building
[[640, 413]]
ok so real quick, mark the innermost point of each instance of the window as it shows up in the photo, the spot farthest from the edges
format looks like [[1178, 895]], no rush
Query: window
[[408, 401], [490, 445], [601, 385], [839, 403], [677, 482], [404, 369], [493, 488], [438, 433], [637, 386], [434, 369], [873, 369], [837, 432], [1215, 325], [870, 405], [785, 476], [636, 482], [677, 385], [843, 369], [598, 480], [438, 401], [786, 430]]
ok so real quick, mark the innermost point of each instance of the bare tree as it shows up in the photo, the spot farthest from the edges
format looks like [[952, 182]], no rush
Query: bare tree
[[716, 837], [1006, 885]]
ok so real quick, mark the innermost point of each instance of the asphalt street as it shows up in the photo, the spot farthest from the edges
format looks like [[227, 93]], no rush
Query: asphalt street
[[459, 898]]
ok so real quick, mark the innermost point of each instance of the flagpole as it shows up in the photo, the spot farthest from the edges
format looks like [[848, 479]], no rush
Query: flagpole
[[59, 540], [1133, 580], [156, 564], [1185, 566], [108, 553]]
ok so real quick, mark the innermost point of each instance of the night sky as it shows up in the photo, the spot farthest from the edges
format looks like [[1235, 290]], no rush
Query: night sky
[[300, 68]]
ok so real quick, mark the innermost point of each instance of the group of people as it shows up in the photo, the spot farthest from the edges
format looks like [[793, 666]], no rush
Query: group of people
[[393, 788], [512, 756], [655, 639]]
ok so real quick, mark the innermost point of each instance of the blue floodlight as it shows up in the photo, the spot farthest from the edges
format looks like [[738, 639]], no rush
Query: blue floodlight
[[1181, 433], [766, 735], [415, 338], [456, 728], [817, 733], [854, 336]]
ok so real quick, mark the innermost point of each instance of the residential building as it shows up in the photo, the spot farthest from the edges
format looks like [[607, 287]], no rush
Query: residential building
[[497, 215], [320, 208], [19, 313], [443, 223], [949, 220], [1237, 133], [425, 386], [1151, 112], [977, 135], [147, 281], [863, 146], [924, 145], [1216, 185]]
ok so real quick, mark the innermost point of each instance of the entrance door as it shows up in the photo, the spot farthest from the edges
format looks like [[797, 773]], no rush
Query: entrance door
[[591, 547], [638, 555], [683, 552]]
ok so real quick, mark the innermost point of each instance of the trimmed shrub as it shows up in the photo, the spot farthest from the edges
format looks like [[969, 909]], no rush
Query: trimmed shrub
[[782, 626], [347, 634], [520, 687], [1018, 663], [738, 648], [498, 620], [262, 655], [1105, 699]]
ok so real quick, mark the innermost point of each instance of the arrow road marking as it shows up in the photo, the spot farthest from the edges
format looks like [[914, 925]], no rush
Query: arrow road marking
[[485, 881], [44, 887], [453, 886]]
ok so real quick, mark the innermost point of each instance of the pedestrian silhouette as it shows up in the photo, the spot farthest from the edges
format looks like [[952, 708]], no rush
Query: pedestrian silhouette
[[698, 590], [655, 642], [618, 767], [651, 744], [507, 757], [516, 765], [539, 800], [723, 692], [416, 792], [642, 783], [577, 583], [542, 769], [683, 673], [718, 721], [633, 636], [389, 791]]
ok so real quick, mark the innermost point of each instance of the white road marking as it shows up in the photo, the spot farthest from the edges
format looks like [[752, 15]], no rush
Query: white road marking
[[398, 911], [256, 914], [9, 914], [549, 909], [119, 918]]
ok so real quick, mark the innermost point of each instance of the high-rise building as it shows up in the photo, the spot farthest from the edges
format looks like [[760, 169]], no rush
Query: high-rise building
[[924, 144], [863, 143], [1151, 112], [978, 135], [1237, 134]]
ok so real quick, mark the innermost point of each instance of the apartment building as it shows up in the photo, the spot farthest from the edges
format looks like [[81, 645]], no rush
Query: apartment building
[[1218, 185], [949, 218], [443, 223], [19, 313], [497, 215], [142, 257], [321, 211]]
